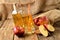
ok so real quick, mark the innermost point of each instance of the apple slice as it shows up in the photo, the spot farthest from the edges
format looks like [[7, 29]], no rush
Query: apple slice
[[43, 30], [49, 27]]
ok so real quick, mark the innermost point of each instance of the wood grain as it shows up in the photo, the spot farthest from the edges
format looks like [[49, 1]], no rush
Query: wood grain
[[6, 31]]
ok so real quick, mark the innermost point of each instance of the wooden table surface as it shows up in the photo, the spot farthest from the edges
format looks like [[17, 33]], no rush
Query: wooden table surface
[[6, 33]]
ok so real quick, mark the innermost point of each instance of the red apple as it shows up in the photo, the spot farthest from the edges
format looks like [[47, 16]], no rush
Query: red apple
[[35, 20], [21, 30], [15, 30], [45, 20], [38, 24], [41, 20], [18, 30]]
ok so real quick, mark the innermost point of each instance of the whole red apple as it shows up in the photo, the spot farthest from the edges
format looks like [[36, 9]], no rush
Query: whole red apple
[[19, 31], [41, 20]]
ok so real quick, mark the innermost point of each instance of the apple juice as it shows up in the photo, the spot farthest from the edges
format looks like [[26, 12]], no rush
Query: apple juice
[[18, 19], [29, 25], [29, 22]]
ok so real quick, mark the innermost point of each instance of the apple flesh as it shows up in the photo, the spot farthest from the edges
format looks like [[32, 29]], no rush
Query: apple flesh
[[18, 31], [43, 30], [49, 27]]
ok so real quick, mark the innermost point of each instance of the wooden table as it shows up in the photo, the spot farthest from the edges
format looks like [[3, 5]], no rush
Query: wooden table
[[6, 33]]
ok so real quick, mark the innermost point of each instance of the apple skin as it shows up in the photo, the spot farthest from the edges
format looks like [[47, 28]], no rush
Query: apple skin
[[46, 25], [45, 20], [35, 20], [18, 31], [41, 20]]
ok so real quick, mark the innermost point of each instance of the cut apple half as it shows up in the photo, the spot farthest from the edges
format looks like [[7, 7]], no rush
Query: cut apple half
[[43, 30], [49, 27]]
